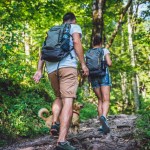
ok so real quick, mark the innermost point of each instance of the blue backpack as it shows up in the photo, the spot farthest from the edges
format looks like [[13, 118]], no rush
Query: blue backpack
[[96, 62], [57, 43]]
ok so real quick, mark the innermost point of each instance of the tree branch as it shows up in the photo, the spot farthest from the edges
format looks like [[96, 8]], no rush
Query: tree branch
[[118, 24]]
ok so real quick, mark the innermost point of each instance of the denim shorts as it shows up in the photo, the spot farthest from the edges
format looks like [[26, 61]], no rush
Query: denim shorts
[[101, 81]]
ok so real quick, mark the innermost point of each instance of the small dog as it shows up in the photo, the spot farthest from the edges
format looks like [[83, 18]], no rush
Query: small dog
[[48, 120], [75, 117], [75, 124]]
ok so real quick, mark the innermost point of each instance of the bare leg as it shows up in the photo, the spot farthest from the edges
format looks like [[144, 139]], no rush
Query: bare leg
[[65, 118], [97, 92], [56, 109], [57, 104], [105, 90]]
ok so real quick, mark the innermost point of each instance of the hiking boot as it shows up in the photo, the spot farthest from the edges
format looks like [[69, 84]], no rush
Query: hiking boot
[[55, 129], [64, 146], [105, 126]]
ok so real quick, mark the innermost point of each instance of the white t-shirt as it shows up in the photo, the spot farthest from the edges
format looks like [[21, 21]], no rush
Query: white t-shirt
[[106, 51], [67, 61]]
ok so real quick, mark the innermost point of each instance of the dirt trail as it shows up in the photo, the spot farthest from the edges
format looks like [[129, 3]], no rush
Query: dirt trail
[[120, 138]]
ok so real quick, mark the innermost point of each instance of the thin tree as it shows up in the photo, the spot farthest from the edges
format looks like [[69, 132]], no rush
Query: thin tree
[[123, 76], [133, 61]]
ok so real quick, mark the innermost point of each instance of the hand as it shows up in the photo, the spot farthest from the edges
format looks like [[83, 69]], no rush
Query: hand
[[85, 70], [37, 76]]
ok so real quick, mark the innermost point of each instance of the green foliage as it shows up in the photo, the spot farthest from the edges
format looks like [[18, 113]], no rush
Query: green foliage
[[143, 124], [25, 23], [19, 109], [89, 111]]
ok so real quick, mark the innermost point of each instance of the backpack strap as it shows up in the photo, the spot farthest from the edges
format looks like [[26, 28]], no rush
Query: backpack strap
[[60, 61], [104, 60], [102, 52], [45, 40], [69, 52]]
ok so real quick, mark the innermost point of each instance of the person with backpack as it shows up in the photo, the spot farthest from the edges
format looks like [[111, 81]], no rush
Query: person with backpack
[[98, 60], [62, 73]]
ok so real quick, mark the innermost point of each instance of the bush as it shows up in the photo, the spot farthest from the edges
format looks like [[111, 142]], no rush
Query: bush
[[89, 111], [143, 125], [19, 111]]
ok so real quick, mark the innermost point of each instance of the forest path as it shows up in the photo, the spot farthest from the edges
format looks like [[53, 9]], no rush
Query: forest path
[[120, 138]]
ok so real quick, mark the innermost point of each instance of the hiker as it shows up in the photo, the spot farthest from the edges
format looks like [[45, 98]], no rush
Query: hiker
[[64, 83], [100, 79]]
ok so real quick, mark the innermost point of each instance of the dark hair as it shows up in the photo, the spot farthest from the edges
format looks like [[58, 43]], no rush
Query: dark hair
[[69, 17], [97, 40]]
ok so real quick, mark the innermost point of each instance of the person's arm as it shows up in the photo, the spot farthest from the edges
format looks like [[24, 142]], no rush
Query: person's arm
[[79, 51], [37, 76], [108, 59]]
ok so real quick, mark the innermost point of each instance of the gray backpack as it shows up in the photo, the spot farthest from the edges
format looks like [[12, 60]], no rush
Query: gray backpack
[[96, 62], [57, 43]]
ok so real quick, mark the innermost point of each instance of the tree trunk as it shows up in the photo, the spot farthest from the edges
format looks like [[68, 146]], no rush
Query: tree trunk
[[131, 49], [123, 78], [98, 23], [26, 44]]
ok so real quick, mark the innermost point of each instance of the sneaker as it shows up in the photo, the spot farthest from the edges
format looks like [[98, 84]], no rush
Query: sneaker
[[105, 126], [64, 146], [55, 129], [100, 129]]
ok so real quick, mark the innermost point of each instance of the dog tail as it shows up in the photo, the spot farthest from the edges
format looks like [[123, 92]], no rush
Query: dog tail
[[41, 111]]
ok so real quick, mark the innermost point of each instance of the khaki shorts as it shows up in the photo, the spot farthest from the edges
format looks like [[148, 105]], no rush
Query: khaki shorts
[[66, 85]]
